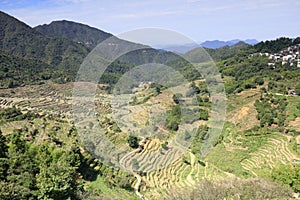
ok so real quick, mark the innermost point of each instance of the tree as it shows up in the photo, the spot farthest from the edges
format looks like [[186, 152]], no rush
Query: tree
[[281, 119], [10, 84], [195, 88], [176, 98], [296, 41], [298, 106], [297, 89], [165, 145], [157, 88], [21, 168], [266, 119], [133, 141], [259, 80], [172, 124], [197, 100], [57, 179], [203, 114], [289, 175], [3, 157], [17, 143], [173, 118], [28, 171], [134, 101], [3, 146]]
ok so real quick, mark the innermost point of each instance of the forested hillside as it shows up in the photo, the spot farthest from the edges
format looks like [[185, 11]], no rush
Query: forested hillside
[[250, 68], [219, 53], [19, 40], [83, 34]]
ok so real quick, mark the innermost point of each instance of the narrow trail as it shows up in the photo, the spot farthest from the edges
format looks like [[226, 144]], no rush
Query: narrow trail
[[189, 177], [137, 176], [137, 186]]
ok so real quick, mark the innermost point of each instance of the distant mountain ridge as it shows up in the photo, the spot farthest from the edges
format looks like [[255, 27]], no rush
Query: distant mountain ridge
[[181, 49], [214, 44], [218, 53], [90, 36]]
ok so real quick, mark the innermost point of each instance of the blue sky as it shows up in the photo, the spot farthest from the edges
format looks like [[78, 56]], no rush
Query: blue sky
[[199, 20]]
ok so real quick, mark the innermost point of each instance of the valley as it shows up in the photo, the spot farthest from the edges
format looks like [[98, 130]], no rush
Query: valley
[[193, 132], [246, 157]]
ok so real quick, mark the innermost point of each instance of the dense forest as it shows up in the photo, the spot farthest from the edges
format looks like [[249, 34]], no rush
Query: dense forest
[[52, 169]]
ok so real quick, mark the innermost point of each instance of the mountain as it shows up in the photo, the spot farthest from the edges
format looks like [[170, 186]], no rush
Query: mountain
[[90, 37], [60, 55], [251, 41], [55, 51], [227, 51], [182, 48], [77, 32], [63, 45], [19, 39], [218, 53], [83, 34], [217, 43]]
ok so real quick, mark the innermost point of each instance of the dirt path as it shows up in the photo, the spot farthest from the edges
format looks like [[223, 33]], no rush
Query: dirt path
[[189, 178], [137, 186]]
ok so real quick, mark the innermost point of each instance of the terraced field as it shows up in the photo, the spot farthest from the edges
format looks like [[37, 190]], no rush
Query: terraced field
[[168, 170], [159, 170], [180, 174], [46, 99], [276, 151]]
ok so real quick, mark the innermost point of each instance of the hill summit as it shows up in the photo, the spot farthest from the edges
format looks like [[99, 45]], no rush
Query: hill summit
[[77, 32]]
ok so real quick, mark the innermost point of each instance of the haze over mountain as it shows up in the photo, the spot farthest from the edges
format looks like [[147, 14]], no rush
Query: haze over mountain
[[214, 44], [90, 37], [178, 48], [217, 54]]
